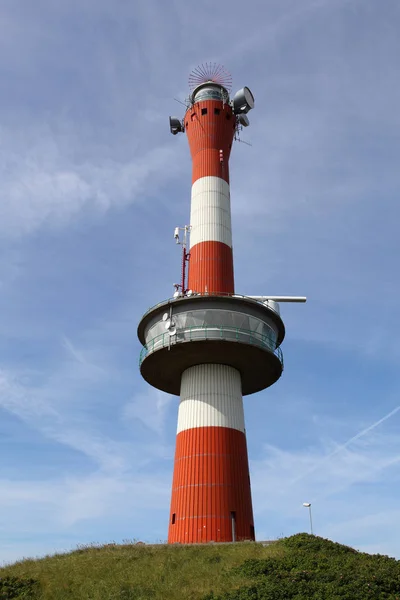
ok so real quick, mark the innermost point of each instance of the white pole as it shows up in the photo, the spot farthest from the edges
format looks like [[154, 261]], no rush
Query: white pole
[[280, 298], [308, 505]]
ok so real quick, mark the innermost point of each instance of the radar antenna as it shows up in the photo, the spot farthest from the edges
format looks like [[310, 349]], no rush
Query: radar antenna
[[210, 72]]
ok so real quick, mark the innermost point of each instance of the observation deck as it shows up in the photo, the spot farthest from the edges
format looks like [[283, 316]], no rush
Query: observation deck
[[211, 329]]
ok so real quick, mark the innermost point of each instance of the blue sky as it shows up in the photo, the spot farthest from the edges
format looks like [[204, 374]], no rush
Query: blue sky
[[92, 185]]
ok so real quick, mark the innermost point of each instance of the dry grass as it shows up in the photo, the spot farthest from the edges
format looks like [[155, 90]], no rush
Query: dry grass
[[127, 572]]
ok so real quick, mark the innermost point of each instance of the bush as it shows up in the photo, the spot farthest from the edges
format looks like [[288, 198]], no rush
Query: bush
[[312, 543], [14, 587], [315, 568]]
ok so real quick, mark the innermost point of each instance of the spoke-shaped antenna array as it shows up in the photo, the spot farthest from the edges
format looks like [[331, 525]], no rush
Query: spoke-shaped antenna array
[[210, 72]]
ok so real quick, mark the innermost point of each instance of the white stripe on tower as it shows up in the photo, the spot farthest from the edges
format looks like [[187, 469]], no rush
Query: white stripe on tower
[[210, 214], [211, 396]]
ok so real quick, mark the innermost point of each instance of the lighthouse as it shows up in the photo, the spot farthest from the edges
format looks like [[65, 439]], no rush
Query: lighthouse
[[209, 344]]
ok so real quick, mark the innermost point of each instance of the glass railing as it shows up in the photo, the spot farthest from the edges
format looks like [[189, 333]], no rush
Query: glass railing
[[208, 294], [198, 332]]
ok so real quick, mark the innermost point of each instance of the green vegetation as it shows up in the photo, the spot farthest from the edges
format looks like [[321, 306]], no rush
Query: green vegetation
[[17, 587], [301, 567]]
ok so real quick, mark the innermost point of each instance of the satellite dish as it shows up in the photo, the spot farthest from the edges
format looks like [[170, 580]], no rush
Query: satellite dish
[[165, 316], [169, 324], [177, 294], [243, 101], [189, 293], [175, 125], [172, 331], [243, 120]]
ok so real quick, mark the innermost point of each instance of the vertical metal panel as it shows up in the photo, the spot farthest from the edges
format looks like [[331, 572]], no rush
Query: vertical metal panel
[[207, 163], [211, 268], [210, 213], [211, 395]]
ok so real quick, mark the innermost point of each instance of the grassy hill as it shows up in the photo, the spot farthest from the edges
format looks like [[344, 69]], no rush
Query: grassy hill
[[301, 567]]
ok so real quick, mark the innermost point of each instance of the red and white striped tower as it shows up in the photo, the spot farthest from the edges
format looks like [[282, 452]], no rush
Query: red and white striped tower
[[207, 344], [211, 483], [210, 126]]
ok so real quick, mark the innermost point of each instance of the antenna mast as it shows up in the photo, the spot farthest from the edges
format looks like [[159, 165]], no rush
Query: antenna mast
[[210, 72], [185, 258]]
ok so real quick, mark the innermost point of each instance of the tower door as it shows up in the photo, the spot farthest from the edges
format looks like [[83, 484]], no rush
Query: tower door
[[233, 521]]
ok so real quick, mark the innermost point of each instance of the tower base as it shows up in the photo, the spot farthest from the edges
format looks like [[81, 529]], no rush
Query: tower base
[[211, 497]]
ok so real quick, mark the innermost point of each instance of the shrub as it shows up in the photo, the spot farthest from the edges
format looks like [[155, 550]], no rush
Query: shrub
[[315, 568], [14, 587]]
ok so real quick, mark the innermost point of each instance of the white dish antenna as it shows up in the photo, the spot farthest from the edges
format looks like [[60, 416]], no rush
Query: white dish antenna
[[170, 327], [165, 317], [243, 101]]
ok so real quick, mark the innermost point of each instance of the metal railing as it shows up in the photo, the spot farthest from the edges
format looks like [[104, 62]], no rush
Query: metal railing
[[199, 332], [208, 294]]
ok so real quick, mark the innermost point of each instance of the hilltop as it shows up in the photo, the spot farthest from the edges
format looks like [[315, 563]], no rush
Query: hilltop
[[301, 567]]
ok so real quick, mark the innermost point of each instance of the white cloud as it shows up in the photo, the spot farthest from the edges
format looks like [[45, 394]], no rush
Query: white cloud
[[41, 184], [341, 480], [343, 447], [319, 473], [150, 408], [68, 507], [59, 412]]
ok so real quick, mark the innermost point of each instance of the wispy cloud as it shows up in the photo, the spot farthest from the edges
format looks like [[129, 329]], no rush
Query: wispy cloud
[[353, 483], [61, 507], [322, 463], [43, 185], [150, 408], [67, 421]]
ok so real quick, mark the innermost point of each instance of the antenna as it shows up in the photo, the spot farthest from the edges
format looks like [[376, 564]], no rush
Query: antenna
[[242, 121], [210, 72], [170, 327], [185, 258], [180, 102], [237, 139]]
